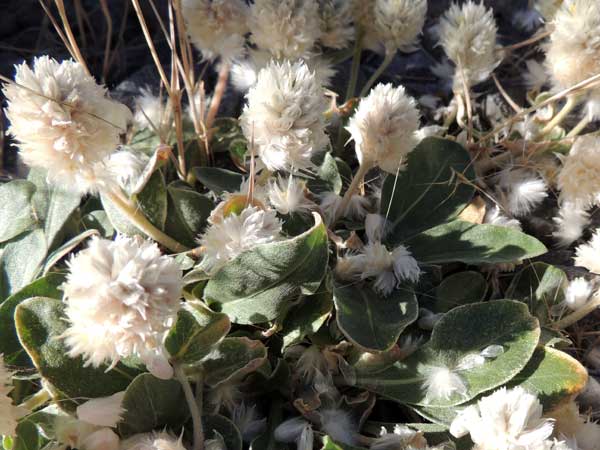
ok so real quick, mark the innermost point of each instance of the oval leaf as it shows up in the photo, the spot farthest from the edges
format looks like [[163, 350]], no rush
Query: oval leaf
[[188, 212], [462, 333], [459, 289], [371, 321], [218, 180], [428, 192], [21, 261], [261, 284], [16, 215], [470, 243]]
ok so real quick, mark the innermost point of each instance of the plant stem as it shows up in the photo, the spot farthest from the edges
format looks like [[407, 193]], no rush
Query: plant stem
[[563, 113], [132, 212], [358, 178], [580, 126], [389, 57], [36, 400], [355, 67], [579, 314], [219, 91], [194, 405]]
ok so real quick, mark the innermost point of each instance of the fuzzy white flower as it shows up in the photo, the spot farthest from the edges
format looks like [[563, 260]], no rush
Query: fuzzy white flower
[[399, 22], [102, 439], [286, 28], [337, 30], [284, 117], [152, 112], [217, 27], [296, 430], [507, 419], [495, 216], [442, 383], [570, 223], [573, 53], [535, 76], [357, 207], [104, 412], [9, 413], [401, 437], [122, 298], [64, 122], [287, 196], [588, 436], [73, 433], [153, 441], [384, 127], [579, 178], [577, 293], [521, 191], [338, 424], [246, 420], [235, 233], [126, 168], [363, 12], [468, 35], [588, 255]]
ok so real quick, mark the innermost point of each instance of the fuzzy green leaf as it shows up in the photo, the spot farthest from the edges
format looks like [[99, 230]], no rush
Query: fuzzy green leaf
[[188, 213], [16, 215], [218, 180], [459, 289], [261, 284]]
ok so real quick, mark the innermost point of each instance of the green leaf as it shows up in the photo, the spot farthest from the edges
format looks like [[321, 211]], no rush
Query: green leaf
[[470, 243], [40, 322], [65, 249], [462, 333], [16, 215], [150, 403], [195, 333], [233, 357], [541, 286], [27, 437], [21, 260], [188, 213], [328, 178], [261, 284], [152, 201], [307, 317], [52, 205], [98, 220], [224, 427], [554, 376], [330, 444], [10, 347], [459, 289], [428, 192], [371, 321], [218, 180]]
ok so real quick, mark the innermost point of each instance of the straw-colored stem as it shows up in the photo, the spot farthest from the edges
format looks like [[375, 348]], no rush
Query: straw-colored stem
[[36, 400], [137, 218], [584, 122], [352, 189], [575, 316], [562, 114], [194, 404], [217, 97]]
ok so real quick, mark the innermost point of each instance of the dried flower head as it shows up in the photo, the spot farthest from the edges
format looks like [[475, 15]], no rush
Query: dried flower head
[[337, 30], [468, 35], [579, 178], [121, 298], [288, 29], [152, 112], [384, 127], [9, 413], [588, 255], [357, 207], [64, 121], [287, 195], [442, 382], [577, 293], [284, 117], [506, 419], [521, 191], [573, 53], [104, 412], [363, 12], [227, 238], [570, 223], [217, 27], [399, 22]]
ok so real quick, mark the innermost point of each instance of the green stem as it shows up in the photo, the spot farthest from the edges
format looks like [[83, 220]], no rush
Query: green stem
[[579, 314], [389, 57], [194, 404], [355, 67], [563, 113], [137, 218]]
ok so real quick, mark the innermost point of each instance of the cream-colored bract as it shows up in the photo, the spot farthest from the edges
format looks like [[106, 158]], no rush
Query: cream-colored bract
[[337, 29], [579, 179], [399, 22], [121, 298]]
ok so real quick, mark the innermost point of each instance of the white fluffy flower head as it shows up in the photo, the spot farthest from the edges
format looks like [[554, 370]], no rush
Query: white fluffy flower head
[[284, 117], [64, 121], [384, 127], [588, 254], [337, 30], [468, 35], [442, 382], [507, 419], [153, 441], [570, 223], [399, 22], [152, 111], [573, 53], [287, 196], [227, 238], [357, 207], [9, 413], [522, 191], [217, 27], [577, 293], [104, 412], [286, 28], [121, 298], [579, 178]]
